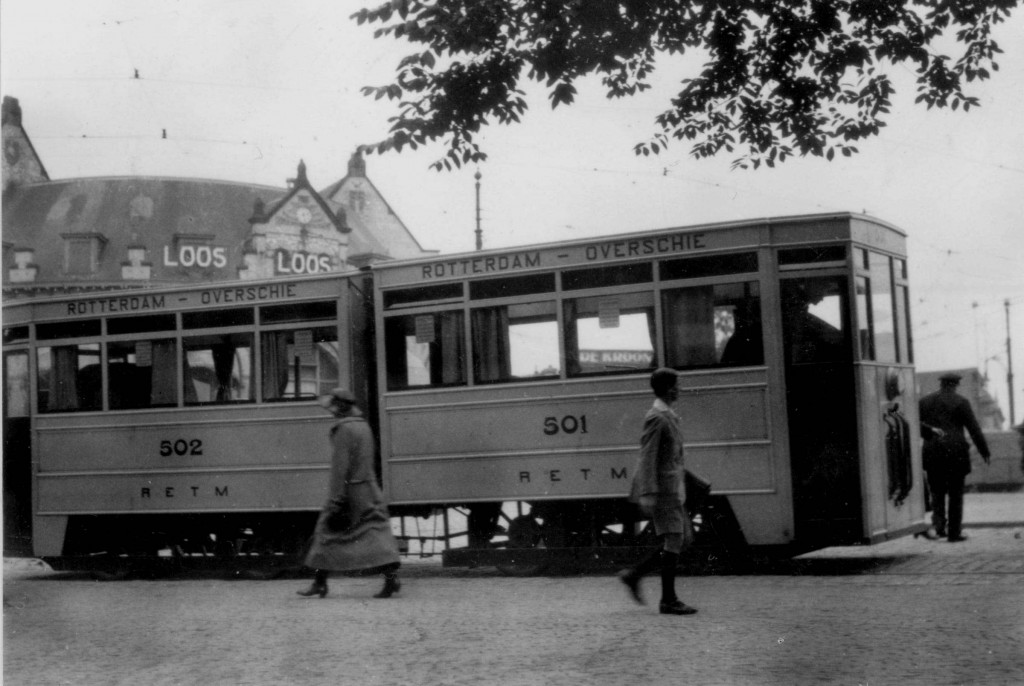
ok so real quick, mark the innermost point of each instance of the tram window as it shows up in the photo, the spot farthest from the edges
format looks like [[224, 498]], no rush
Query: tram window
[[142, 374], [864, 333], [425, 350], [815, 255], [512, 286], [814, 311], [71, 329], [609, 334], [515, 342], [16, 398], [412, 296], [299, 364], [154, 322], [906, 350], [300, 312], [714, 325], [13, 334], [600, 277], [69, 378], [217, 368], [209, 319], [882, 316], [714, 265]]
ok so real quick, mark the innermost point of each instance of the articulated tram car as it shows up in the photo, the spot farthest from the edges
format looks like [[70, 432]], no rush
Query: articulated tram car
[[506, 385]]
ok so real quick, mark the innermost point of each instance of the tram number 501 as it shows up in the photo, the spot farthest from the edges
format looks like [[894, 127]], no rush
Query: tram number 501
[[569, 424], [181, 447]]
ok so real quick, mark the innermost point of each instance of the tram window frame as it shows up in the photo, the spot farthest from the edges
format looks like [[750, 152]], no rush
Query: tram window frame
[[707, 266], [496, 352], [812, 257], [16, 334], [865, 317], [883, 310], [816, 349], [512, 286], [159, 386], [117, 326], [17, 384], [205, 341], [293, 313], [75, 328], [218, 318], [905, 335], [309, 370], [601, 310], [621, 275], [406, 338], [61, 391], [417, 296], [712, 350]]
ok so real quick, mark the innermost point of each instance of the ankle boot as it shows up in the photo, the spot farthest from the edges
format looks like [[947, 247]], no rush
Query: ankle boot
[[391, 585], [631, 577], [670, 602], [318, 587]]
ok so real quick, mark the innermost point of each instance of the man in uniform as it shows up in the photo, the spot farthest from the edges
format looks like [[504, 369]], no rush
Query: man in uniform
[[944, 416]]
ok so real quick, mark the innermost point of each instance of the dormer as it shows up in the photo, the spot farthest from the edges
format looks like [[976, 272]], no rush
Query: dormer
[[24, 269], [82, 252]]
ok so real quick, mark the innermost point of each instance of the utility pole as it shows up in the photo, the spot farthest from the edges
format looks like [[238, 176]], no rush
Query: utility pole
[[1009, 362], [479, 231]]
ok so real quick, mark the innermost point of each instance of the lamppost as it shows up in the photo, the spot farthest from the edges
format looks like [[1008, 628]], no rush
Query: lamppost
[[479, 231], [1009, 362]]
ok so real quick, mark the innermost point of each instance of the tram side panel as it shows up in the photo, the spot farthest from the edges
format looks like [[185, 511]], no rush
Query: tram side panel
[[576, 440], [890, 453], [198, 461]]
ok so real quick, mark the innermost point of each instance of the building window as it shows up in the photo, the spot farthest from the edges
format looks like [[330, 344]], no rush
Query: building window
[[82, 252]]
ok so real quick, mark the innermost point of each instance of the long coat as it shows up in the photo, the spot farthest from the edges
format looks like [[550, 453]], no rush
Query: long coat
[[950, 412], [353, 531]]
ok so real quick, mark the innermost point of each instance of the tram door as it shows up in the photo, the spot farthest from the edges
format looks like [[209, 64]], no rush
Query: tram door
[[17, 474], [822, 409]]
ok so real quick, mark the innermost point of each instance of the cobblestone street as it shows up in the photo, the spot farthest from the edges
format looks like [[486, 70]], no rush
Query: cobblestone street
[[909, 611]]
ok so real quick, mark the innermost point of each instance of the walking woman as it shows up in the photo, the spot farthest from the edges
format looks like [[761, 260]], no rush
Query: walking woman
[[353, 532]]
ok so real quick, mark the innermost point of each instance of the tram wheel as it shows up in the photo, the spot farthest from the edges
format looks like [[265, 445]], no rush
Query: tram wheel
[[524, 532]]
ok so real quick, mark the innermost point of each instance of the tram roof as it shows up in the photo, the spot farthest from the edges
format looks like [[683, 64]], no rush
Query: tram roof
[[847, 218]]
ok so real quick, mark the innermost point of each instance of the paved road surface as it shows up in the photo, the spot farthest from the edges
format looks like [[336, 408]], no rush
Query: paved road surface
[[905, 612]]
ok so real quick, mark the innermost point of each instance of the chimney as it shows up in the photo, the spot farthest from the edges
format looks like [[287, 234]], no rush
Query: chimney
[[356, 164], [11, 111]]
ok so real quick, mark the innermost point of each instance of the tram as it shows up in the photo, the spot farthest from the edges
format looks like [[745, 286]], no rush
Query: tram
[[508, 386]]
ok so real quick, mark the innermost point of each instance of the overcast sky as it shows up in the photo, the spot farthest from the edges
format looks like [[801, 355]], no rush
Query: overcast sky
[[246, 89]]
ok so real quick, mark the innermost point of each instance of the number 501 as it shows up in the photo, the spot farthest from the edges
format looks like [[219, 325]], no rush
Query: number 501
[[569, 424]]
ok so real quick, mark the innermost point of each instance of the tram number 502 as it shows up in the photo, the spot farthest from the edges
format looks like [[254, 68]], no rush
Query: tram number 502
[[181, 447], [569, 424]]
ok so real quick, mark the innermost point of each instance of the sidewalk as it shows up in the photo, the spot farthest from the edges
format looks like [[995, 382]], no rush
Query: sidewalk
[[987, 510]]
